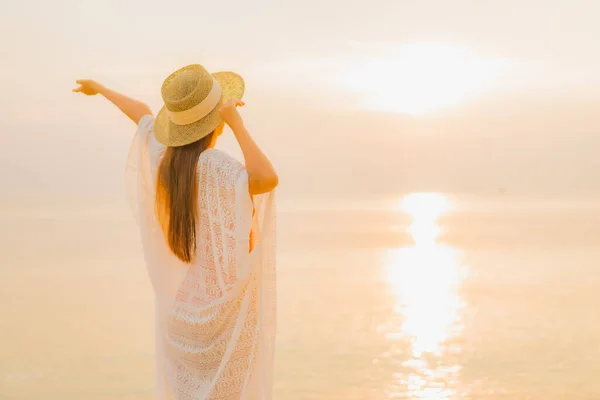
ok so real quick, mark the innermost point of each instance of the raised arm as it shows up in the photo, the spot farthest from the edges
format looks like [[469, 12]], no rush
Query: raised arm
[[134, 109], [262, 177]]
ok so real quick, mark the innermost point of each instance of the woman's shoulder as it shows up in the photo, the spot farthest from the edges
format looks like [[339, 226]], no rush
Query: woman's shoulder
[[146, 123], [146, 127]]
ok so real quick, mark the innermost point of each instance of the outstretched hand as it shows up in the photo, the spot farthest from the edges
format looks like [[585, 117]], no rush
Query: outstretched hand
[[134, 109], [87, 87]]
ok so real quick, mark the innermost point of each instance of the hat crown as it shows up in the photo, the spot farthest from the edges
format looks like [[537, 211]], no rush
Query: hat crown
[[186, 87]]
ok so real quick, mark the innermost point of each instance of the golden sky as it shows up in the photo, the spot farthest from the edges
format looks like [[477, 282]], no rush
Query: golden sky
[[461, 96]]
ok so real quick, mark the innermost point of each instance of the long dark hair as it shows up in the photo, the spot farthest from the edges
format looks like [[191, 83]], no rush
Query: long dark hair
[[177, 197]]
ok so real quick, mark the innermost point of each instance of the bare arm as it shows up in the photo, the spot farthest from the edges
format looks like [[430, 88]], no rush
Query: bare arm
[[262, 177], [134, 109]]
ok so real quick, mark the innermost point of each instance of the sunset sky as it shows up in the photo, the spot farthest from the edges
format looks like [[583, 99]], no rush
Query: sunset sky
[[349, 98]]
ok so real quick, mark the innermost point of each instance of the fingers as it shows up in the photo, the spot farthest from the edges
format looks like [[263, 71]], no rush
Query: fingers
[[229, 104], [80, 82], [234, 103]]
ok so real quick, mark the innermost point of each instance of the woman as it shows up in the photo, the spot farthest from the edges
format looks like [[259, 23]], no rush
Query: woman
[[208, 231]]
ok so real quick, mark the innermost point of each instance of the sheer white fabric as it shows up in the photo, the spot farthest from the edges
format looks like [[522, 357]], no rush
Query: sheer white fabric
[[215, 318]]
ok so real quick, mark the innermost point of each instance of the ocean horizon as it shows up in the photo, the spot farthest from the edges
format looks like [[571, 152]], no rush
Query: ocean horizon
[[377, 300]]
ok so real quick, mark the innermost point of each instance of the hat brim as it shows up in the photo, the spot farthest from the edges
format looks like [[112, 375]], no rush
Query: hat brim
[[171, 135]]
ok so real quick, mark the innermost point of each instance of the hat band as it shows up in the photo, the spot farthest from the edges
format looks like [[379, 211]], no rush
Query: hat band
[[200, 110]]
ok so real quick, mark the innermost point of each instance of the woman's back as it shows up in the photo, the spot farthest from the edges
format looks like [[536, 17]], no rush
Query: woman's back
[[212, 337]]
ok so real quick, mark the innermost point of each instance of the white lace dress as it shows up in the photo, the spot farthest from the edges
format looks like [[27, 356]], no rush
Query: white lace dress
[[215, 318]]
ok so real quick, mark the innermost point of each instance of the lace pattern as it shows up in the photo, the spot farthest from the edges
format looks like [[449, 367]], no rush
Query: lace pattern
[[215, 317]]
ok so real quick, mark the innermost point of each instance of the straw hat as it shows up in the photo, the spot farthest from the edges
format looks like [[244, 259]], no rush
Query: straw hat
[[192, 96]]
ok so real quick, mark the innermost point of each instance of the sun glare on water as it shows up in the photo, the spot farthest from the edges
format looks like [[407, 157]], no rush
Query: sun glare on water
[[425, 209], [425, 280]]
